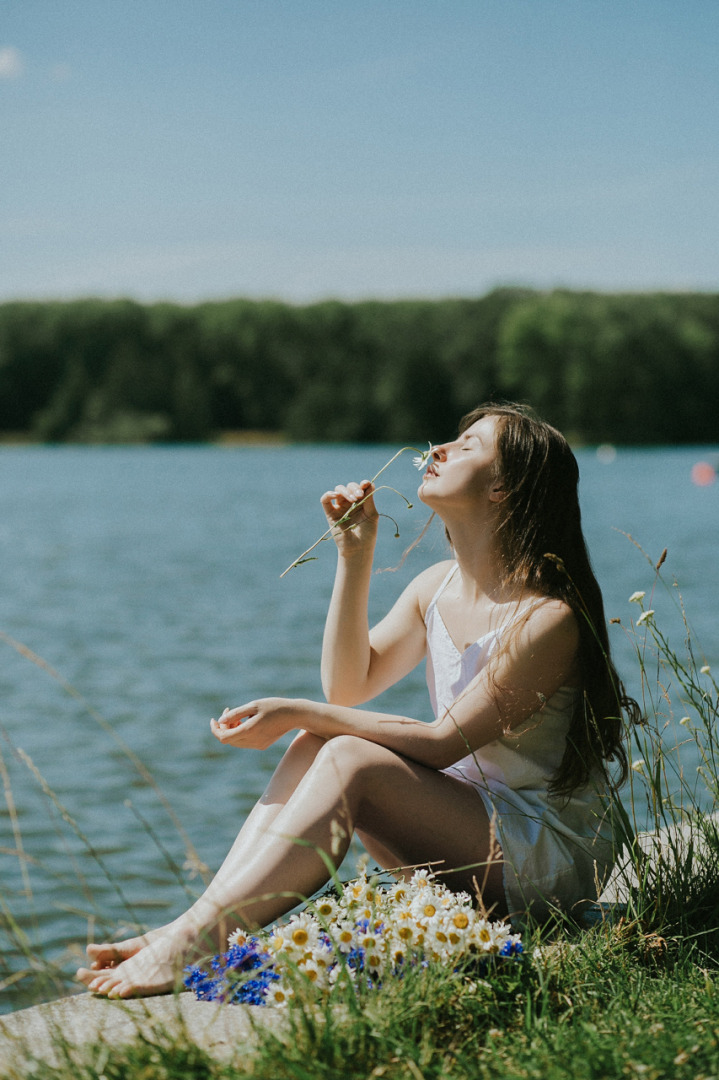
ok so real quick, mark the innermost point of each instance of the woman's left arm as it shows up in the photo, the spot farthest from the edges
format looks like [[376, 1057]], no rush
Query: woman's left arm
[[540, 658]]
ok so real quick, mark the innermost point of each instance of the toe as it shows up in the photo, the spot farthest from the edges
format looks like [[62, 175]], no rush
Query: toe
[[105, 984]]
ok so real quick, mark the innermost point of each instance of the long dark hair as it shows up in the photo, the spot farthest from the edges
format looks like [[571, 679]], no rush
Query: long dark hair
[[542, 548]]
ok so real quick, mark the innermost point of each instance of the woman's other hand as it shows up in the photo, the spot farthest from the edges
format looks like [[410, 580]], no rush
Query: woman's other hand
[[258, 724], [352, 516]]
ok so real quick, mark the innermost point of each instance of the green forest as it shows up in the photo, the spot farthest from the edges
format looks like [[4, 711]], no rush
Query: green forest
[[621, 368]]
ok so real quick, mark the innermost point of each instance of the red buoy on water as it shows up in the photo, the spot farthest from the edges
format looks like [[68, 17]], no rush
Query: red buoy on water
[[703, 473]]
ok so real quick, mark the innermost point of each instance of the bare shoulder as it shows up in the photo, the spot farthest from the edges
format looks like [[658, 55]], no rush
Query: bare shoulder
[[547, 615], [425, 585], [550, 611]]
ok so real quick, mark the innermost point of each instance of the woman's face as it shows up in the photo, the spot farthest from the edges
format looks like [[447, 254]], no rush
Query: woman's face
[[464, 469]]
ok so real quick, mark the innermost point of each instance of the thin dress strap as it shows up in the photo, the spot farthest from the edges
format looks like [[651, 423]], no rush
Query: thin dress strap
[[445, 582]]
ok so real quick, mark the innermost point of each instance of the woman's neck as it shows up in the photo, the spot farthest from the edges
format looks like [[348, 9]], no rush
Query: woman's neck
[[480, 563]]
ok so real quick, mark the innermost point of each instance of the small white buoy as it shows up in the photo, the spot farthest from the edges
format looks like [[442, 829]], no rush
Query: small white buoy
[[606, 453]]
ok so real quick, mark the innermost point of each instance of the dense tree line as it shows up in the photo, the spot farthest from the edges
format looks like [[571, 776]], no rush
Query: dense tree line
[[620, 368]]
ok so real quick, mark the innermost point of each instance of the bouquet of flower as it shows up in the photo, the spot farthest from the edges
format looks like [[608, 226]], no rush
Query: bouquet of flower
[[367, 931]]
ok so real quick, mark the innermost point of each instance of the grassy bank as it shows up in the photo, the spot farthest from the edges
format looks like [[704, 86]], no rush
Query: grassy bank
[[614, 1001]]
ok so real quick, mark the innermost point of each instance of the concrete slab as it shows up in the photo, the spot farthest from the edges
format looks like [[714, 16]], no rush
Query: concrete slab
[[55, 1032]]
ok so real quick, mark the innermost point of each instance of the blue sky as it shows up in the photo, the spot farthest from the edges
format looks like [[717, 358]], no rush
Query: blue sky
[[300, 149]]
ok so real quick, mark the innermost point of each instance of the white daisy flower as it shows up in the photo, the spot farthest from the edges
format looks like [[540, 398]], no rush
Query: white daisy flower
[[425, 907], [316, 973], [421, 461], [339, 971], [344, 936], [296, 937], [636, 597], [374, 961], [279, 994], [237, 937], [421, 879], [645, 616], [483, 936], [326, 909], [398, 954]]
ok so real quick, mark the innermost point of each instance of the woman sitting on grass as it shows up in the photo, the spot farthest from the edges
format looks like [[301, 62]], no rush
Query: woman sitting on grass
[[504, 792]]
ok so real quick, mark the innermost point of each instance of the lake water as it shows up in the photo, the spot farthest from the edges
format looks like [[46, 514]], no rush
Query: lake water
[[147, 579]]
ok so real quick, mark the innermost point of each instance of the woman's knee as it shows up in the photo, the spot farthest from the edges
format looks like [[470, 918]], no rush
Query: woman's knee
[[305, 742], [349, 756], [357, 766], [297, 759]]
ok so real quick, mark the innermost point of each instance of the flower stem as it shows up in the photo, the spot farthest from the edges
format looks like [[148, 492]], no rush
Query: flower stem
[[328, 532]]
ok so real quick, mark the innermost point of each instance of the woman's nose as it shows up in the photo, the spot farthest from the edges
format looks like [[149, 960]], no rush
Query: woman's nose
[[439, 452]]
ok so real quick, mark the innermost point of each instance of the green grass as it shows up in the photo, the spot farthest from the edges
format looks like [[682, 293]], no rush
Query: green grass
[[613, 1001]]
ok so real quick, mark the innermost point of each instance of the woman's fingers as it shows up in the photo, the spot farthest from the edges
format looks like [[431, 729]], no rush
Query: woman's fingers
[[337, 501], [343, 497], [232, 718], [244, 727]]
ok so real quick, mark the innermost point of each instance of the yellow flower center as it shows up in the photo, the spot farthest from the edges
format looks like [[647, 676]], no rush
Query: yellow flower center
[[300, 936], [461, 921], [429, 910]]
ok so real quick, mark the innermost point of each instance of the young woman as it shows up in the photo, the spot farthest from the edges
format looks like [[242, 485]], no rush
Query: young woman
[[504, 792]]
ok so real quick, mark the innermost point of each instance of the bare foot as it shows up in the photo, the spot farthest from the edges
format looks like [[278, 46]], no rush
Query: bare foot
[[155, 968], [109, 954]]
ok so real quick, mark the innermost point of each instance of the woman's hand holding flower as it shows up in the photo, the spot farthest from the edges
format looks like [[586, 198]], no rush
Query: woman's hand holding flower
[[258, 724], [352, 516]]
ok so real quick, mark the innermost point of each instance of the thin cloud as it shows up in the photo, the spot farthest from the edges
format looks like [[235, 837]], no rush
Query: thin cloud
[[11, 62]]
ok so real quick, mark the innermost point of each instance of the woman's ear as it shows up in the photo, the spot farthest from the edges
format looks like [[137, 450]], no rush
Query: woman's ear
[[497, 492]]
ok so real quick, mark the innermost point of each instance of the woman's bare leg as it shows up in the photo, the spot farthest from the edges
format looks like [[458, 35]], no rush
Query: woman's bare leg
[[379, 852], [422, 815], [290, 770]]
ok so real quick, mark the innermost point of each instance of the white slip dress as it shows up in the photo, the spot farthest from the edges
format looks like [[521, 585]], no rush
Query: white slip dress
[[557, 851]]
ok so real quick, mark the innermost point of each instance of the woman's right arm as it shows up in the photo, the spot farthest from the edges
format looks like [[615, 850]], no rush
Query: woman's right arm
[[358, 664]]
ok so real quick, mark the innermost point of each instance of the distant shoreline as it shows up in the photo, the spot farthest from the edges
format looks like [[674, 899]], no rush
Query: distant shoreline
[[223, 438]]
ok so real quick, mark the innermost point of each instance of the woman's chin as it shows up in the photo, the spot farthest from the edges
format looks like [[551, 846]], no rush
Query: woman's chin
[[424, 491]]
